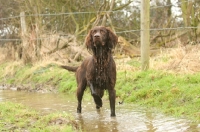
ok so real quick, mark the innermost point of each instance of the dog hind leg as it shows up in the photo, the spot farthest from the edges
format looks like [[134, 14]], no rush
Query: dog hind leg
[[79, 94]]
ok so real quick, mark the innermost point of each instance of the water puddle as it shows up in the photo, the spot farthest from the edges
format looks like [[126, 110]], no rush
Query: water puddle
[[129, 118]]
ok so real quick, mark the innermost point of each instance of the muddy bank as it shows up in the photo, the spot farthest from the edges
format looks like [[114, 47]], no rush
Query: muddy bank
[[40, 88]]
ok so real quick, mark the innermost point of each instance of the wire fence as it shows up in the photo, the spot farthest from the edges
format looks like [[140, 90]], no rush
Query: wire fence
[[127, 31], [123, 31], [57, 34], [68, 13]]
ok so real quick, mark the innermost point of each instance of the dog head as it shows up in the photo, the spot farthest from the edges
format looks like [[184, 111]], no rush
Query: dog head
[[101, 36]]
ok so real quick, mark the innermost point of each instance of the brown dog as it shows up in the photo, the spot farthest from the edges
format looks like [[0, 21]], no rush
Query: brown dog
[[99, 70]]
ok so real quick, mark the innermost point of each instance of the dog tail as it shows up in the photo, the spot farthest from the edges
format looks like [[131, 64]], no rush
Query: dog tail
[[70, 68]]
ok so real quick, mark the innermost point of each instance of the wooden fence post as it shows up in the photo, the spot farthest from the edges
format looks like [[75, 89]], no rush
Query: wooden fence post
[[25, 56], [145, 50], [23, 23]]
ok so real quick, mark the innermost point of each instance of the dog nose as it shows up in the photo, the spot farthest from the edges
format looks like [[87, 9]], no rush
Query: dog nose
[[96, 35]]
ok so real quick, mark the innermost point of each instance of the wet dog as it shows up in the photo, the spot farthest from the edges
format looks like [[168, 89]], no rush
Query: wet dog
[[98, 71]]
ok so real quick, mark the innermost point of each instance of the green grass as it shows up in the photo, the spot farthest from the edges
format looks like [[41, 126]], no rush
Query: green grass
[[16, 117], [174, 94], [52, 75]]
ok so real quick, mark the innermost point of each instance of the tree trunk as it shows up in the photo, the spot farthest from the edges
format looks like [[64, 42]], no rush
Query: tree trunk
[[187, 10]]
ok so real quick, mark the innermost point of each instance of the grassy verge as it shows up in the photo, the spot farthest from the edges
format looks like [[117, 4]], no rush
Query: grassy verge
[[33, 77], [174, 94], [16, 117]]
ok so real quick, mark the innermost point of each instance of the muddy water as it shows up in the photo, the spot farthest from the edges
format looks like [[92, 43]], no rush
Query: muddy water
[[129, 117]]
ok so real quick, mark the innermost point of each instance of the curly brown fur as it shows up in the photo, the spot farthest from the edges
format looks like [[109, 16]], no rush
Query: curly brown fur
[[98, 71]]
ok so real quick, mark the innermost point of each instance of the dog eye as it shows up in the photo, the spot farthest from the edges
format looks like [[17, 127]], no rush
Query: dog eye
[[102, 31], [94, 31]]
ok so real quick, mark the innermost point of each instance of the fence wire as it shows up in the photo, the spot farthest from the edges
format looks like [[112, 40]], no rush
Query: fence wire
[[119, 32], [69, 13], [127, 31]]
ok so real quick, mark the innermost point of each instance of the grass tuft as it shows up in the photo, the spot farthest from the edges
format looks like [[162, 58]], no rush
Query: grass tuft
[[16, 117]]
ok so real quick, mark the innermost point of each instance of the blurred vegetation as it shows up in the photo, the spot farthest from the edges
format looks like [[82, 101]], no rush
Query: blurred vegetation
[[77, 17], [64, 17]]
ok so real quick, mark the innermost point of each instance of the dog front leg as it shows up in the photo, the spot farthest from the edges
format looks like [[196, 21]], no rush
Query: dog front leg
[[97, 98], [92, 89], [112, 95]]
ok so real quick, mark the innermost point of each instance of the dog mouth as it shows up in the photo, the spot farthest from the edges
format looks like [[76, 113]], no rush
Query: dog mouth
[[98, 42]]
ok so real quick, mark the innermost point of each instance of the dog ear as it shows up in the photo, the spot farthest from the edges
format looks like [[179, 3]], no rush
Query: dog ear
[[88, 40], [112, 39]]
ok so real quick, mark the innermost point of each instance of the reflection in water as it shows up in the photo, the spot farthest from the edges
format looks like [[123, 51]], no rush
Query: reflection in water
[[97, 122], [129, 117], [149, 122]]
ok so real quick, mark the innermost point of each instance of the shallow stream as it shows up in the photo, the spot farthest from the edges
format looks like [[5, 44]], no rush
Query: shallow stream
[[129, 117]]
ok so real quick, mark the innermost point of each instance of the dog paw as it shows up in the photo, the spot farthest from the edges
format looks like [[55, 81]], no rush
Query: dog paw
[[78, 110], [113, 115], [97, 107], [97, 100]]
